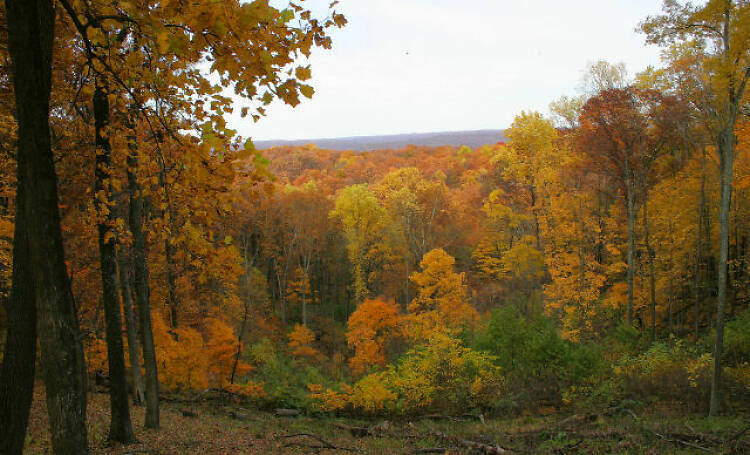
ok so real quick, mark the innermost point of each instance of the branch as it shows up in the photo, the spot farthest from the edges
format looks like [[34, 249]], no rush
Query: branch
[[323, 443]]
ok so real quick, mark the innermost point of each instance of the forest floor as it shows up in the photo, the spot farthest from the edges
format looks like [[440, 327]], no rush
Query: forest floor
[[216, 427]]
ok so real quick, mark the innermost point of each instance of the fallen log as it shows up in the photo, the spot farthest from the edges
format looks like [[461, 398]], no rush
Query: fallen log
[[484, 448], [188, 413], [361, 432], [281, 412], [737, 435], [357, 432]]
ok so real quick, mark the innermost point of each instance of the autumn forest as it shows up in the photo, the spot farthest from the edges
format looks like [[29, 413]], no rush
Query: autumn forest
[[582, 285]]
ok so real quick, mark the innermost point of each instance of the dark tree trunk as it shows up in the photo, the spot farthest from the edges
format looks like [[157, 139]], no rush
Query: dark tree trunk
[[140, 283], [120, 428], [246, 310], [19, 358], [131, 327], [30, 37]]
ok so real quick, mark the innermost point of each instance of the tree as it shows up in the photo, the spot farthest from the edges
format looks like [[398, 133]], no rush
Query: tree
[[301, 340], [120, 429], [441, 299], [417, 207], [371, 327], [30, 39], [365, 222], [723, 24], [623, 132]]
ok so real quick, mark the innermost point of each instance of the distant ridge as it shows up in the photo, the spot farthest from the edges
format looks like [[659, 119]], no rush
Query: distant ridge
[[473, 139]]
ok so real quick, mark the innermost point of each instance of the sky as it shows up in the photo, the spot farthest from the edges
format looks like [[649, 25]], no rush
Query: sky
[[412, 66]]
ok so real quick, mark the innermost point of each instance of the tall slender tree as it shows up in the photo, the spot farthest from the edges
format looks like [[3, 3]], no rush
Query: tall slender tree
[[724, 26]]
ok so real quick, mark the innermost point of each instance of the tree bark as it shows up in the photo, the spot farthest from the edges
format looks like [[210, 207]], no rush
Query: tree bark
[[671, 278], [131, 328], [245, 314], [631, 213], [19, 358], [652, 273], [30, 37], [142, 293], [169, 249], [726, 153], [699, 250], [120, 429]]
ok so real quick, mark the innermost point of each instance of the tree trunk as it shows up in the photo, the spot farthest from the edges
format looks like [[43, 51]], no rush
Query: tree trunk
[[246, 312], [652, 274], [671, 278], [19, 358], [140, 282], [169, 249], [726, 153], [631, 213], [699, 250], [120, 429], [239, 342], [171, 283], [131, 328], [30, 37]]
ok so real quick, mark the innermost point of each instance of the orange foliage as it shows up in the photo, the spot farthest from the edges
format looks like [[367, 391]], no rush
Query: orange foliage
[[300, 342], [372, 325]]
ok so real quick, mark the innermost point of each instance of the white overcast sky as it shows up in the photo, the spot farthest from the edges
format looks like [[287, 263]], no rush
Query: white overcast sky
[[404, 66]]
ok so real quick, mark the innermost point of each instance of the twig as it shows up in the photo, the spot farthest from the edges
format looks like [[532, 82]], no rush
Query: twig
[[485, 448], [661, 436], [324, 444], [736, 436]]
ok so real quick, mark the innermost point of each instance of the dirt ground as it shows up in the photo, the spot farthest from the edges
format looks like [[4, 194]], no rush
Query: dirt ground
[[220, 427]]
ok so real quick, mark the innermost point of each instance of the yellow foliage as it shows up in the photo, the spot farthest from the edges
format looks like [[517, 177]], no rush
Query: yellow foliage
[[179, 355], [187, 362], [300, 342], [372, 395], [441, 299]]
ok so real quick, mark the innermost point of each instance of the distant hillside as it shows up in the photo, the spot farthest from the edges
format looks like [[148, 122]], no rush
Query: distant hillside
[[472, 139]]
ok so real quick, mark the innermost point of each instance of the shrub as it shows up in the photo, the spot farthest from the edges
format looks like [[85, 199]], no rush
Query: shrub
[[666, 371], [284, 380], [538, 363], [737, 340], [443, 375]]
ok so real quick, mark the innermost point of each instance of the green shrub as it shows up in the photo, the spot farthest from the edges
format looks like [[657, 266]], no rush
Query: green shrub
[[667, 371], [737, 340], [537, 362], [285, 380]]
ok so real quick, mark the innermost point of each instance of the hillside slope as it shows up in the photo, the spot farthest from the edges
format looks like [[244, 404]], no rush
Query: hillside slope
[[472, 139]]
